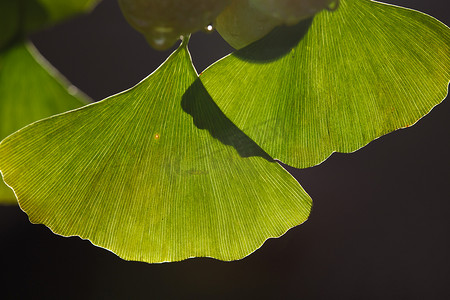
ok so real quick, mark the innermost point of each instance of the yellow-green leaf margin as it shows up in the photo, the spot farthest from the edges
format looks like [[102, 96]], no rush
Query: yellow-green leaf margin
[[334, 82], [156, 173]]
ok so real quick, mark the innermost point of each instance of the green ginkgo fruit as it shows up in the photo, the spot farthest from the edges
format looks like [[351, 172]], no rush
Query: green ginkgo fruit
[[290, 12], [241, 23], [246, 21], [163, 22]]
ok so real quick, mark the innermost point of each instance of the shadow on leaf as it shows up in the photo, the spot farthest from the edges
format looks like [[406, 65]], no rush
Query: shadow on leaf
[[207, 115], [276, 44]]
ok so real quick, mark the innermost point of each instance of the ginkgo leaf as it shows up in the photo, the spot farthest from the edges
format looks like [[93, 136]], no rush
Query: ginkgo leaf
[[156, 173], [30, 89], [335, 82], [58, 10], [19, 18], [9, 21]]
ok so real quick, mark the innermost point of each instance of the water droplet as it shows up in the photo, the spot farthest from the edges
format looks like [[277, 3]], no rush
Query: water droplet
[[157, 136], [161, 41], [162, 38], [208, 28]]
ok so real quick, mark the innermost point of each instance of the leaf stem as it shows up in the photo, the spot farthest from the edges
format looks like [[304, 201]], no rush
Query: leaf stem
[[185, 40]]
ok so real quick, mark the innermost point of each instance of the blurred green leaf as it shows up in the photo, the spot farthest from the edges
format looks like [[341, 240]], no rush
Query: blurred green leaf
[[9, 21], [18, 18], [30, 89], [156, 173], [336, 82], [59, 10]]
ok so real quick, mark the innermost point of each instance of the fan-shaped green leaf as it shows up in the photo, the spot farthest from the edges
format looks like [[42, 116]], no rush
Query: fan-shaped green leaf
[[336, 82], [30, 89], [156, 173]]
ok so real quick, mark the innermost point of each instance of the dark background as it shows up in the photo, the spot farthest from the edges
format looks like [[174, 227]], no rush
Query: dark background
[[379, 229]]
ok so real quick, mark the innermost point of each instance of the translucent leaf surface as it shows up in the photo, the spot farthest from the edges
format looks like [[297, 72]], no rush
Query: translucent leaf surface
[[336, 82], [30, 89], [156, 173]]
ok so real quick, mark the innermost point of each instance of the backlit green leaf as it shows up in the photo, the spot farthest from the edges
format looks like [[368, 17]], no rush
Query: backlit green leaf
[[156, 173], [336, 82], [30, 89]]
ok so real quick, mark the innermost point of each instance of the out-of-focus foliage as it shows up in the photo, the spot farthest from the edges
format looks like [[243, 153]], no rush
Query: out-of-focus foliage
[[30, 89]]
